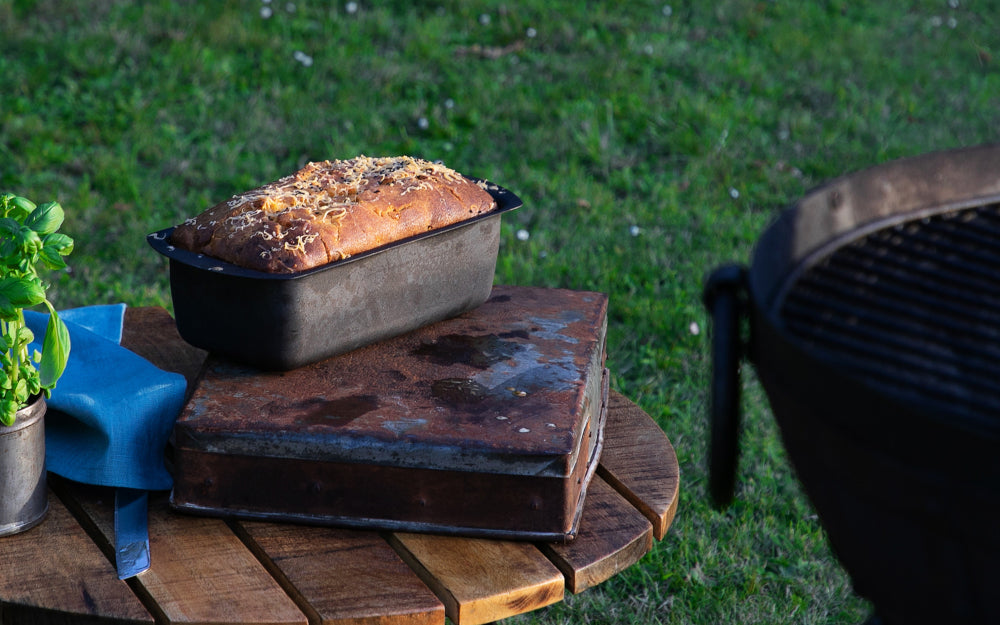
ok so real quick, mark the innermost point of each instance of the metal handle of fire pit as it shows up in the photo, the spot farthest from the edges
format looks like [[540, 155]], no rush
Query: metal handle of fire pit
[[725, 296]]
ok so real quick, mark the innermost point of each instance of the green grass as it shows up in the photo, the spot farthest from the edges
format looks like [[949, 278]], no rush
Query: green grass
[[649, 142]]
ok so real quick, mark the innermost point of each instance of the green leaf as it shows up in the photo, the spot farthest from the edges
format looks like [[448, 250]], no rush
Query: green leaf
[[19, 208], [52, 259], [60, 243], [55, 246], [9, 251], [9, 228], [23, 203], [8, 411], [45, 219], [18, 293], [55, 350], [30, 241], [21, 391], [34, 385], [24, 335]]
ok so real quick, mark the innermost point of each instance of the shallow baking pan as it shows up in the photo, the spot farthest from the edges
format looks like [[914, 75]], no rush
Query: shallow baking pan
[[281, 322], [486, 424]]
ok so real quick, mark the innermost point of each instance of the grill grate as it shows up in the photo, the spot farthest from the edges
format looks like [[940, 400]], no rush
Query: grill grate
[[913, 308]]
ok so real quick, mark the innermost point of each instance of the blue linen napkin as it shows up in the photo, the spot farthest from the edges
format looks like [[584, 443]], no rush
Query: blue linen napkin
[[112, 411]]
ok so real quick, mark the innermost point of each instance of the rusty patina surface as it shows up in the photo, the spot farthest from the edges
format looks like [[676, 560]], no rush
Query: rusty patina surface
[[512, 390]]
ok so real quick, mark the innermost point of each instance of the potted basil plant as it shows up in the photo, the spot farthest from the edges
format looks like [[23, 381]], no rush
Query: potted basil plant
[[28, 241]]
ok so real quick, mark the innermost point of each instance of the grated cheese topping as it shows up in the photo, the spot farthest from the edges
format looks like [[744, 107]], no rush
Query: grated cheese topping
[[327, 189], [302, 214]]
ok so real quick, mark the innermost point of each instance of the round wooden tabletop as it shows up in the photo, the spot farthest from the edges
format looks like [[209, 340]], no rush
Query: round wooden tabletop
[[209, 570]]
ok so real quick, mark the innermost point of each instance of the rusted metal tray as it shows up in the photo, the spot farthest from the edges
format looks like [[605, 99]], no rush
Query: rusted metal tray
[[284, 321], [486, 424]]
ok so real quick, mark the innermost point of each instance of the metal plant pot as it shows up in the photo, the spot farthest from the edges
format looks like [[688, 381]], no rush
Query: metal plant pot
[[23, 492]]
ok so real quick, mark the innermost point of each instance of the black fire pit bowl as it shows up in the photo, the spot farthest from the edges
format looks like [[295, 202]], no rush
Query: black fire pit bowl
[[872, 308]]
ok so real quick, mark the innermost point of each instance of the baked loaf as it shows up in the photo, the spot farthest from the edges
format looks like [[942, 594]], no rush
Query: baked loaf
[[330, 210]]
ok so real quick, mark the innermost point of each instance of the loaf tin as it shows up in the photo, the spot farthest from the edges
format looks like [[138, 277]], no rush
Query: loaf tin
[[486, 424], [284, 321]]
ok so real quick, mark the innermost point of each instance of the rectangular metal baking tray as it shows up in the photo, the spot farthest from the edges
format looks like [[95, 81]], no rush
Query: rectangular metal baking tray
[[281, 322]]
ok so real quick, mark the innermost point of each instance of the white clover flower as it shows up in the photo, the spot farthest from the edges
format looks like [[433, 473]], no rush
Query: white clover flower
[[733, 193], [531, 33], [423, 124], [667, 10], [303, 58], [266, 12], [449, 104], [694, 328], [484, 19], [351, 7], [952, 22], [936, 21], [635, 230], [523, 235]]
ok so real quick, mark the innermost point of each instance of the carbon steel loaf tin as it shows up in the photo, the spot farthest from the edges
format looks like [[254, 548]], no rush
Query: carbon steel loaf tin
[[281, 322]]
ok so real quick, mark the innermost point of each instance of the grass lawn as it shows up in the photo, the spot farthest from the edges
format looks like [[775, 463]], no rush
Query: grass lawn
[[650, 142]]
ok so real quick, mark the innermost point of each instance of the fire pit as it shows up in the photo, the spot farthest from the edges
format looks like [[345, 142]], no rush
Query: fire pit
[[871, 313]]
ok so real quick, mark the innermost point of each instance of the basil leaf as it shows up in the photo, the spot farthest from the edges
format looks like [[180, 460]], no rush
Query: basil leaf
[[9, 228], [23, 203], [8, 412], [52, 258], [19, 207], [59, 243], [45, 219], [19, 293], [24, 335], [31, 243], [55, 350]]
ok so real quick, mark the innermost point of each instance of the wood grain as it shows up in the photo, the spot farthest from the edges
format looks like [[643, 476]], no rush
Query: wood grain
[[200, 570], [640, 463], [613, 536], [151, 333], [204, 572], [345, 577], [480, 580], [54, 573]]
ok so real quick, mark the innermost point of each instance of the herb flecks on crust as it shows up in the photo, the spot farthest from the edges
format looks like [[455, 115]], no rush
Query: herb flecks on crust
[[330, 210]]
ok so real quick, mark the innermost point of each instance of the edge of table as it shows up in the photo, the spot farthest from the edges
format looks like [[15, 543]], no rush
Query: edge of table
[[208, 570]]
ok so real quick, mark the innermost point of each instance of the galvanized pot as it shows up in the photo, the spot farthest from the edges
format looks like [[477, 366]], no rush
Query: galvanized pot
[[23, 493]]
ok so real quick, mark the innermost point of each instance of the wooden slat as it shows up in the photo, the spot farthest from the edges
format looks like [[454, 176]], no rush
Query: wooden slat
[[640, 463], [482, 580], [200, 570], [151, 333], [53, 573], [344, 577], [613, 536]]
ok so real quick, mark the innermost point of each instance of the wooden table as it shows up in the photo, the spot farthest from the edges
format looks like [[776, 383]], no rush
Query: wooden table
[[208, 570]]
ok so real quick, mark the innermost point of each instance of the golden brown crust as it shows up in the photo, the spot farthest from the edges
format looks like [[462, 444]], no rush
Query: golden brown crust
[[331, 210]]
